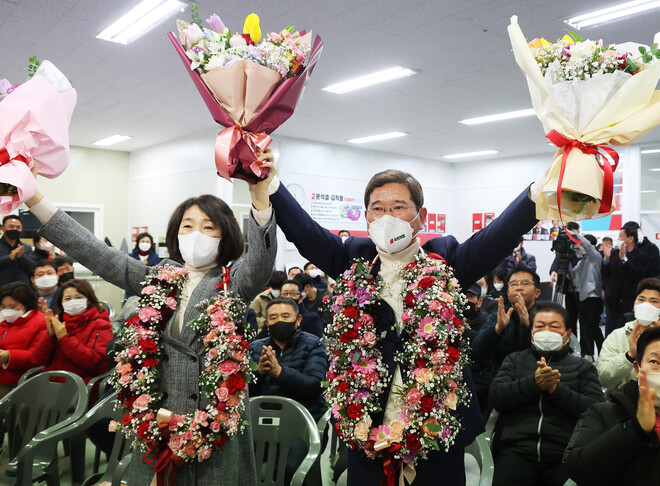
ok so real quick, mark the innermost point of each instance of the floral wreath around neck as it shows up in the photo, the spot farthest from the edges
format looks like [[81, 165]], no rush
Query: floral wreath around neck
[[226, 373], [432, 361]]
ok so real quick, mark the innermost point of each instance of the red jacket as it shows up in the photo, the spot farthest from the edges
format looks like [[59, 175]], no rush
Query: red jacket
[[82, 350], [20, 338]]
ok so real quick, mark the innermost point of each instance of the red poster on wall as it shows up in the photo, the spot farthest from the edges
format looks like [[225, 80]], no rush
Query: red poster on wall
[[477, 221], [134, 233], [488, 218], [431, 222], [441, 223]]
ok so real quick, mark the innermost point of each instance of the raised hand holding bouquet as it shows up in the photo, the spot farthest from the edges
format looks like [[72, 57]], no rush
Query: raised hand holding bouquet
[[250, 84], [34, 127], [587, 95]]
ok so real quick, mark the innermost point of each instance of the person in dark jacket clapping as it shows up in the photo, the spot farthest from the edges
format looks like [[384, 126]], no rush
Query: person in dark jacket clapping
[[540, 393], [619, 442]]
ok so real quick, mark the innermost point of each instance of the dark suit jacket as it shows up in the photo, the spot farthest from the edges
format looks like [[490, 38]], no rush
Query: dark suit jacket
[[470, 260]]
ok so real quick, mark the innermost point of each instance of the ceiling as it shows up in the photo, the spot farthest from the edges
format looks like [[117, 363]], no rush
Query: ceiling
[[460, 48]]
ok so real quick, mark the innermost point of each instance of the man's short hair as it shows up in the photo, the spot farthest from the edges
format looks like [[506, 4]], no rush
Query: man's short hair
[[292, 281], [307, 265], [397, 177], [291, 268], [524, 269], [276, 279], [607, 238], [548, 306], [573, 226], [591, 239], [648, 284], [284, 300], [43, 263], [10, 216], [63, 260], [647, 337], [344, 231], [630, 228], [303, 279]]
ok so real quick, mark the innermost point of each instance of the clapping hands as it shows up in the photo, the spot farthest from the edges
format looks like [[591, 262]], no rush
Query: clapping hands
[[56, 328], [545, 377], [268, 364]]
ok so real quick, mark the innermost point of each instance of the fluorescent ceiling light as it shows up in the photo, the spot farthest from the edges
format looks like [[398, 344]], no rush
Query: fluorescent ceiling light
[[612, 13], [111, 140], [376, 138], [141, 19], [651, 151], [370, 80], [657, 169], [470, 154], [647, 192], [498, 117]]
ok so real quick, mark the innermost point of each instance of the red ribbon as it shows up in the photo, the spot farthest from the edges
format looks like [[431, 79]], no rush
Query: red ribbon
[[5, 159], [162, 454], [601, 158], [235, 147], [224, 284], [391, 466]]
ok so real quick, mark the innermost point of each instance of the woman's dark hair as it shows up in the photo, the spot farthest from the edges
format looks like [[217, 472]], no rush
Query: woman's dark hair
[[232, 244], [21, 293], [143, 235], [398, 177], [646, 338], [84, 288]]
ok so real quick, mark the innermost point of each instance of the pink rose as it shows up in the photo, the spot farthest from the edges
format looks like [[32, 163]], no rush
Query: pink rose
[[447, 314], [204, 454], [133, 351], [434, 306], [187, 435], [113, 426], [148, 290], [189, 449], [438, 356], [142, 402], [170, 302], [176, 420], [274, 37], [140, 375], [175, 442], [222, 393], [215, 426], [146, 314], [414, 396], [125, 379], [229, 367], [149, 416], [201, 418], [405, 317], [451, 401], [370, 338], [211, 309], [228, 327]]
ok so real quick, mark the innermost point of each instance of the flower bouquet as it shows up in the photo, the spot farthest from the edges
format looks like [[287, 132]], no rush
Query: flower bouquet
[[34, 121], [250, 84], [587, 95]]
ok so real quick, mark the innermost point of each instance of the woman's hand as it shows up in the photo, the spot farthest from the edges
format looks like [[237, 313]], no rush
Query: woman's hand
[[4, 356], [259, 191], [37, 196], [56, 328], [42, 305]]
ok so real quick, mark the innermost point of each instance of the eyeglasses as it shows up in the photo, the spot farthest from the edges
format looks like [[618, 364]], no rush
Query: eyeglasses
[[289, 294], [524, 283], [396, 211]]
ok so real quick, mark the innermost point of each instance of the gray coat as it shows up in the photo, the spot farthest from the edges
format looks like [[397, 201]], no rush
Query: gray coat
[[181, 359], [586, 274]]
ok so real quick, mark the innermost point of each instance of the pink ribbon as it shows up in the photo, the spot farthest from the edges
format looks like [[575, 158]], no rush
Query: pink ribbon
[[236, 154]]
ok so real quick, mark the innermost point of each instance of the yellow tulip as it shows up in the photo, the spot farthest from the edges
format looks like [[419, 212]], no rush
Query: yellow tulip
[[568, 39], [251, 27], [539, 43]]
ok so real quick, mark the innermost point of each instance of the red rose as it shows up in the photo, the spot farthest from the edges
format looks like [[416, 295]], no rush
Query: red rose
[[453, 354], [149, 362], [343, 386], [236, 382], [129, 402], [325, 299], [420, 363], [351, 311], [127, 419], [338, 429], [148, 346], [218, 443], [411, 265], [426, 404], [348, 336], [412, 441], [426, 282], [354, 410], [410, 299], [142, 430], [131, 321]]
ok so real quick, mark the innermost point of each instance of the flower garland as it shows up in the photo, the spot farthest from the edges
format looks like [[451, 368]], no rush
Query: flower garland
[[223, 381], [432, 360]]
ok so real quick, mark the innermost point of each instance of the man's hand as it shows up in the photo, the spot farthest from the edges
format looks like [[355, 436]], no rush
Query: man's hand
[[503, 317], [4, 356], [17, 252], [645, 404], [521, 308], [607, 252], [42, 305], [545, 377], [632, 340], [259, 191], [622, 250], [268, 363], [56, 328]]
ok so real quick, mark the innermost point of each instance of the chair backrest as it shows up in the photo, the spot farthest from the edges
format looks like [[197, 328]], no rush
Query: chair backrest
[[39, 403], [480, 450], [107, 306], [276, 423], [29, 374]]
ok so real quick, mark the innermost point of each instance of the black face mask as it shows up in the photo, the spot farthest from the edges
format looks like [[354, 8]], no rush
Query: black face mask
[[65, 277], [471, 310], [12, 234], [282, 331]]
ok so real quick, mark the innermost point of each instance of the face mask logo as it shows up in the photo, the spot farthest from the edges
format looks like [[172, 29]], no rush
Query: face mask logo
[[391, 234], [548, 341], [282, 330], [75, 307], [646, 313], [11, 315], [198, 249], [46, 282]]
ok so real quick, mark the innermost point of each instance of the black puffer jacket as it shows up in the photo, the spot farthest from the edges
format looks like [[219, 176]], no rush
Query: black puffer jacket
[[609, 447], [534, 423]]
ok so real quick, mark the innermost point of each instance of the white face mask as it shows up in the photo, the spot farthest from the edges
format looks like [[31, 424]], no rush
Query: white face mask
[[75, 307], [646, 313], [45, 245], [275, 293], [46, 282], [344, 238], [197, 249], [653, 380], [483, 292], [11, 315], [548, 341], [391, 234], [498, 286], [144, 246], [315, 272]]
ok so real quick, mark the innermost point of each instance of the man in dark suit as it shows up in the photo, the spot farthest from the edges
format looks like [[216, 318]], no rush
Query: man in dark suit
[[397, 199], [16, 259]]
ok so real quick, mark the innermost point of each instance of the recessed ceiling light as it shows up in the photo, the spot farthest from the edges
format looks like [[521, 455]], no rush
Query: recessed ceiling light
[[612, 13], [369, 80], [470, 154], [376, 138], [650, 151], [498, 117], [648, 192], [105, 142], [141, 19]]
